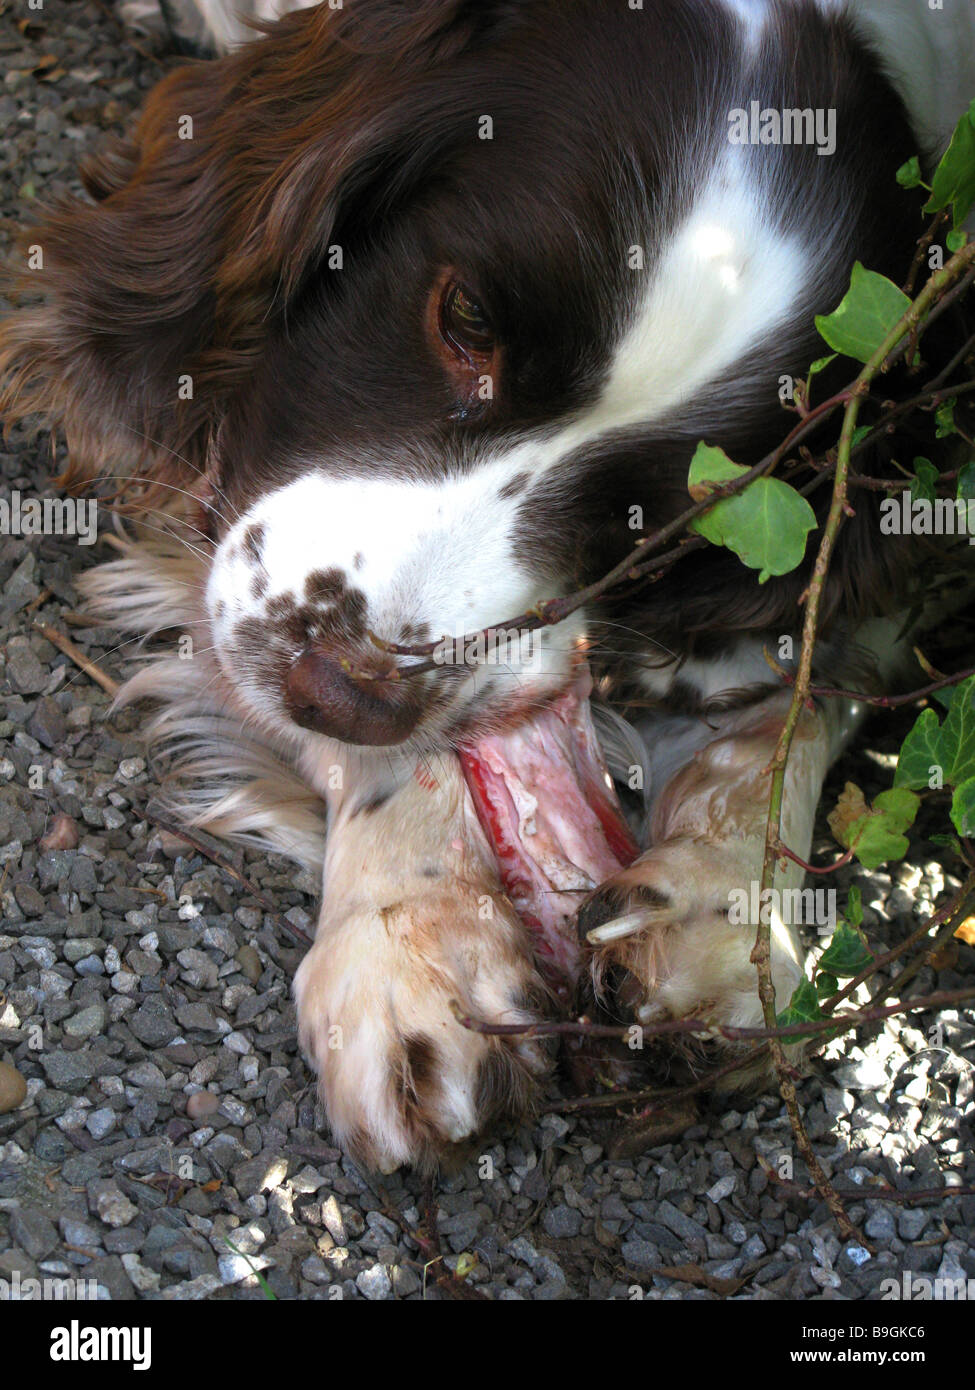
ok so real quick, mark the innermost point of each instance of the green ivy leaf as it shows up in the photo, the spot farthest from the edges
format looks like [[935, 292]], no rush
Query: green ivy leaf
[[909, 174], [859, 433], [966, 483], [963, 808], [948, 842], [956, 239], [927, 479], [766, 525], [898, 806], [950, 746], [826, 985], [847, 953], [854, 907], [954, 179], [958, 735], [820, 365], [920, 751], [865, 316], [803, 1007], [944, 418]]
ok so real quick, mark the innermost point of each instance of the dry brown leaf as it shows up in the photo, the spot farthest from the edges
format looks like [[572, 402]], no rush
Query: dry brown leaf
[[700, 1278], [664, 1123], [966, 932], [605, 1237], [849, 808], [945, 957]]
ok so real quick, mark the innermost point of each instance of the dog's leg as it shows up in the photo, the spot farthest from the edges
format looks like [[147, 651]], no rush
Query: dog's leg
[[673, 933], [414, 926]]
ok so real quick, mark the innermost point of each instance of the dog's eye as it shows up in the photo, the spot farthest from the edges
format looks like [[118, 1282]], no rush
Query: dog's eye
[[464, 323]]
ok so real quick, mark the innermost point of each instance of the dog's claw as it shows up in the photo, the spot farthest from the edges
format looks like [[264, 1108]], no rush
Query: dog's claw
[[626, 925], [666, 948]]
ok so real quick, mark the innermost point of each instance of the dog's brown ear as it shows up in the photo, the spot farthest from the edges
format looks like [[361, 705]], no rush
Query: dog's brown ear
[[152, 302], [124, 294]]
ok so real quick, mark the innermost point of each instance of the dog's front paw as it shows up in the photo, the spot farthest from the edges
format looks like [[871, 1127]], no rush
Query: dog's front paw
[[401, 1079], [666, 943]]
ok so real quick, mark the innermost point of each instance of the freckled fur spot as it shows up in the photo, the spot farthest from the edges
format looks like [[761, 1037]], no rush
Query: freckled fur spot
[[253, 542]]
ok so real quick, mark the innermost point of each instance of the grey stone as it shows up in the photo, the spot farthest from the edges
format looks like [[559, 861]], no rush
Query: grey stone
[[47, 724], [24, 672], [80, 1233], [912, 1223], [683, 1226], [29, 900], [374, 1283], [880, 1224], [32, 1231], [82, 876], [562, 1222], [101, 1122], [109, 1271], [153, 1025], [111, 1204], [87, 1023], [262, 1173], [640, 1254]]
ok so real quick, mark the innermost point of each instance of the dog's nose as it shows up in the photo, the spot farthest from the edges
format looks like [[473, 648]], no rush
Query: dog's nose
[[349, 703]]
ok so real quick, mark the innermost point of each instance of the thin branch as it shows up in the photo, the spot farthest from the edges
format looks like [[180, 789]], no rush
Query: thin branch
[[704, 1028], [889, 701], [840, 863], [923, 243], [867, 1194]]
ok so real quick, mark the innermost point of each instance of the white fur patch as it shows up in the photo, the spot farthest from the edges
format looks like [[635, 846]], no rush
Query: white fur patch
[[752, 16]]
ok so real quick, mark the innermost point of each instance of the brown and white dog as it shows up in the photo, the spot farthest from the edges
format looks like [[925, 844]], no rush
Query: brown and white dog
[[418, 305]]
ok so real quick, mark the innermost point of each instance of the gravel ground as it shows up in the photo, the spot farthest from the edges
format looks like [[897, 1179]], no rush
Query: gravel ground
[[169, 1144]]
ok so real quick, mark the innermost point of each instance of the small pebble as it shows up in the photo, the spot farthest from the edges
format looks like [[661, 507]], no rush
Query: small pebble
[[250, 964], [63, 834], [201, 1104]]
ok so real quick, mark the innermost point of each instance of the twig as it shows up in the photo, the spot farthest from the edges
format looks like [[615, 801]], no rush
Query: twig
[[889, 701], [703, 1027], [41, 599], [923, 242], [840, 863], [879, 1194], [929, 305], [428, 1237]]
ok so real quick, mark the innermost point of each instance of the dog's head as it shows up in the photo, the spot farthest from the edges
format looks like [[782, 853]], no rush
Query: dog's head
[[429, 305]]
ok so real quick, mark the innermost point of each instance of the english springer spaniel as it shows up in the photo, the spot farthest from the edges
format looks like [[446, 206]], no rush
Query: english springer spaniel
[[400, 319]]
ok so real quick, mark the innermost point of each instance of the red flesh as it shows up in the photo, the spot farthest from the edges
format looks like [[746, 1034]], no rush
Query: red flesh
[[549, 810]]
